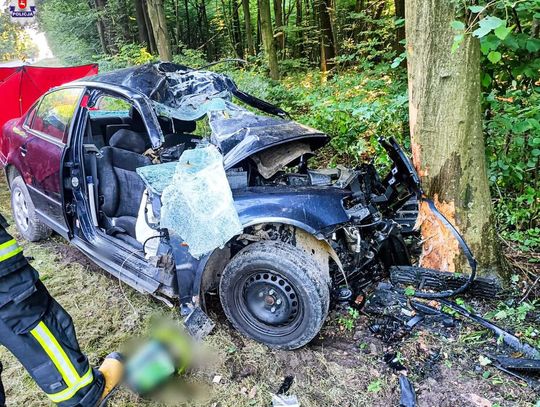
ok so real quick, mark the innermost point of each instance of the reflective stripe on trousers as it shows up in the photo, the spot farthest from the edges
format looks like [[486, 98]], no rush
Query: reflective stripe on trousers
[[9, 249], [58, 356]]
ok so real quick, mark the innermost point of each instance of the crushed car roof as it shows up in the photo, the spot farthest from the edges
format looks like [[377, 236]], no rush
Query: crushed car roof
[[189, 94]]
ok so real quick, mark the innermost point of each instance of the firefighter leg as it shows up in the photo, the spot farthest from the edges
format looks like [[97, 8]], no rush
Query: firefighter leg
[[40, 333]]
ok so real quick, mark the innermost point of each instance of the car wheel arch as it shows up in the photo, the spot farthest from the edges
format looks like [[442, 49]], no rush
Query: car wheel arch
[[213, 264], [11, 173]]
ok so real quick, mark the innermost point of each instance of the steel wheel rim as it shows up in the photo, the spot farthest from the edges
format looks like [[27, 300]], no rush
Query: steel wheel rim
[[268, 303], [21, 210]]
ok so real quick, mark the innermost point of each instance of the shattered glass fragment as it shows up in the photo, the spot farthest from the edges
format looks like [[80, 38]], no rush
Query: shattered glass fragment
[[157, 177], [198, 205]]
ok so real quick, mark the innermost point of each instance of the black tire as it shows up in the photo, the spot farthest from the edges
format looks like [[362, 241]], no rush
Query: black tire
[[276, 294], [24, 213]]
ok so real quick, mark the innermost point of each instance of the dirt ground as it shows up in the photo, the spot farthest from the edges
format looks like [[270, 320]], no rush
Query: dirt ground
[[343, 367]]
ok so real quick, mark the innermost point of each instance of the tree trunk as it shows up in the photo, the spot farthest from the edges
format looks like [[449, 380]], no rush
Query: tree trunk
[[205, 31], [299, 46], [259, 34], [399, 5], [177, 26], [278, 15], [268, 38], [151, 40], [124, 19], [141, 23], [99, 6], [236, 31], [328, 50], [159, 25], [188, 24], [446, 137], [249, 31]]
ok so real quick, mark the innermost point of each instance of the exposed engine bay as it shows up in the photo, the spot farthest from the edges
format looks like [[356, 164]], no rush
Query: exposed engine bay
[[382, 211]]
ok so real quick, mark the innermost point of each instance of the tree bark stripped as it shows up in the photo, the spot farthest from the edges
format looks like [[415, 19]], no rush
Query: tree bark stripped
[[446, 137]]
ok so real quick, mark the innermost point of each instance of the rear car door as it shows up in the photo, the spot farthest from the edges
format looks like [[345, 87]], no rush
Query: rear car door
[[48, 132]]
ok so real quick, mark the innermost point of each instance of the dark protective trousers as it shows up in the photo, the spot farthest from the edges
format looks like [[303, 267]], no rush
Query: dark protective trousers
[[40, 333]]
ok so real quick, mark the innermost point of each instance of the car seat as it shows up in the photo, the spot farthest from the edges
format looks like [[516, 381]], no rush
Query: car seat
[[120, 188]]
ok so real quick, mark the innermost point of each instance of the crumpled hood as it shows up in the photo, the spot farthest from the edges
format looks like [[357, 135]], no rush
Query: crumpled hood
[[240, 133]]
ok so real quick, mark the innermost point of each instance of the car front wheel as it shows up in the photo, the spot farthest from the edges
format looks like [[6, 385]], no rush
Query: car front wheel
[[276, 294], [24, 213]]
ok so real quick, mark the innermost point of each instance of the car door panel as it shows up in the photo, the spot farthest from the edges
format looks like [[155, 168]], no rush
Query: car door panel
[[45, 162], [43, 154]]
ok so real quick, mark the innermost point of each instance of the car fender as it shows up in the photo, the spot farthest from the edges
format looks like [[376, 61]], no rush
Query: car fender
[[310, 209], [213, 262]]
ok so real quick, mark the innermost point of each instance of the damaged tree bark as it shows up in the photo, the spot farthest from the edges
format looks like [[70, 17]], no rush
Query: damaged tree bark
[[446, 137]]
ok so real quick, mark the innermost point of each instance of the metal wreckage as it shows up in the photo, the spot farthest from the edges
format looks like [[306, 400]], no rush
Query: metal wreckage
[[232, 206]]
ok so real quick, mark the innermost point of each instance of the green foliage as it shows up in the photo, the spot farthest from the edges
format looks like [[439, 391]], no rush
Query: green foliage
[[513, 152], [520, 318], [354, 108], [508, 33], [191, 57], [128, 55], [375, 386], [70, 27], [14, 41], [368, 39], [348, 321]]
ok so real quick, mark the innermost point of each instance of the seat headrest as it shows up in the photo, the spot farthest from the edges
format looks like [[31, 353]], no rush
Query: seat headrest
[[128, 140]]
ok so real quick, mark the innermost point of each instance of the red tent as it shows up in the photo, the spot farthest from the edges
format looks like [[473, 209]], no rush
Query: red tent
[[21, 86], [5, 72]]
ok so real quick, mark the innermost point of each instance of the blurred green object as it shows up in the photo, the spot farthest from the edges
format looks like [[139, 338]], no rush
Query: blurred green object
[[150, 367], [169, 351]]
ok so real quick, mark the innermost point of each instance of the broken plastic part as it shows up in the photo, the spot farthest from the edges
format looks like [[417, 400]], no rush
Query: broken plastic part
[[511, 340], [527, 365], [523, 369], [198, 324], [286, 385], [508, 338], [408, 396], [393, 361], [424, 278]]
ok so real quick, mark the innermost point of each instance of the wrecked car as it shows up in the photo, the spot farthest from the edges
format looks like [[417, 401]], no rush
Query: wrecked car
[[309, 237]]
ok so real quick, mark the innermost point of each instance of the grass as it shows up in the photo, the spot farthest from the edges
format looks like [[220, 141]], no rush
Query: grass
[[341, 368]]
